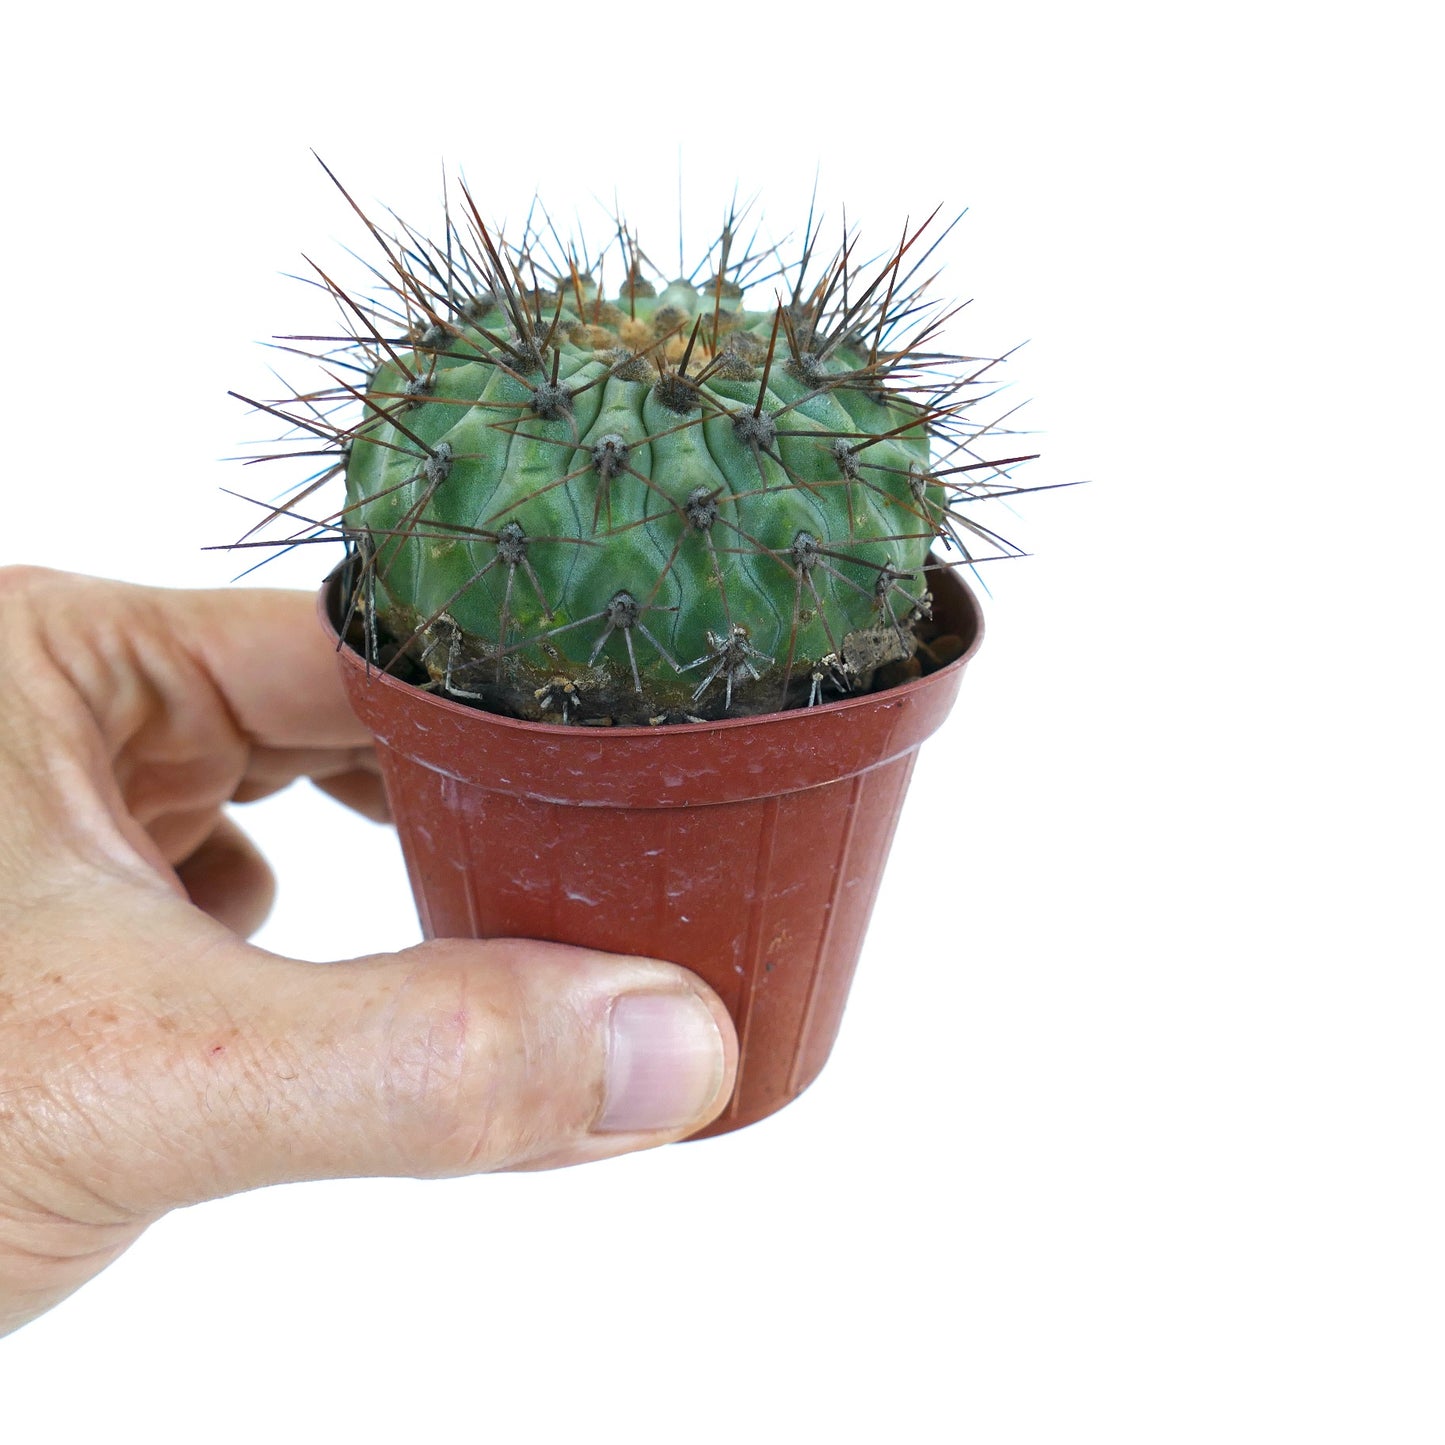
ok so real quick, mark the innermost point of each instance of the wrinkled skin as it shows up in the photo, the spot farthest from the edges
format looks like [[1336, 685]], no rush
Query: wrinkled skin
[[149, 1056]]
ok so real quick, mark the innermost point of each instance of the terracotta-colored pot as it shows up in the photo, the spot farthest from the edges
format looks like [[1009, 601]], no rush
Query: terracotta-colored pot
[[749, 850]]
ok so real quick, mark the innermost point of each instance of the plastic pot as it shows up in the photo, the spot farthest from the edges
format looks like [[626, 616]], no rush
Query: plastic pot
[[749, 850]]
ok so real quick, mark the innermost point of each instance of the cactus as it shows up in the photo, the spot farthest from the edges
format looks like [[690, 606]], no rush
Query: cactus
[[657, 504]]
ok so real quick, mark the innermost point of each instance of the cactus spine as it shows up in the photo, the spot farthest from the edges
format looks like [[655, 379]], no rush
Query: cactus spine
[[651, 507]]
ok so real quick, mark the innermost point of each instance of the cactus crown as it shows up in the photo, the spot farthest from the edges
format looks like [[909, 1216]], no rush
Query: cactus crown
[[651, 505]]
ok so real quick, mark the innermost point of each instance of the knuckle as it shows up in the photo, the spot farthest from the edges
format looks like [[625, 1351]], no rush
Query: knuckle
[[475, 1078], [18, 579], [431, 1034]]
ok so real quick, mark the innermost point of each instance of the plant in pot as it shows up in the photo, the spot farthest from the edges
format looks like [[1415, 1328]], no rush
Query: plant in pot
[[640, 595]]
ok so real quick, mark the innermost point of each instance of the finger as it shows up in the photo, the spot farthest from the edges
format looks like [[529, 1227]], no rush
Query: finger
[[351, 775], [454, 1057], [228, 878], [266, 653], [146, 709], [361, 790], [258, 655], [459, 1057]]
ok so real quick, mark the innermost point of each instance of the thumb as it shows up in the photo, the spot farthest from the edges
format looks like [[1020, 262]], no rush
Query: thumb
[[454, 1057]]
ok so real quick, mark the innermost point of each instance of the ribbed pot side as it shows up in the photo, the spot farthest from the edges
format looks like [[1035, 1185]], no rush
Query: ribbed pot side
[[749, 850]]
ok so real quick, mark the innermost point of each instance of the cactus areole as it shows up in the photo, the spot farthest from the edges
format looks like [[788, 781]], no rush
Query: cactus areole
[[649, 503]]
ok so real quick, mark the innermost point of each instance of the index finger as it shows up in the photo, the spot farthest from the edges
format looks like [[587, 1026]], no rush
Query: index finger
[[265, 653]]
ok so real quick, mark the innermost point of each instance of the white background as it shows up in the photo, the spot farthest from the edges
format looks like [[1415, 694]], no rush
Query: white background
[[1133, 1132]]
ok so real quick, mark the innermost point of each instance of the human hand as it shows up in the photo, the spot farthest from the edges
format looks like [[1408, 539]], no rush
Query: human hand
[[150, 1058]]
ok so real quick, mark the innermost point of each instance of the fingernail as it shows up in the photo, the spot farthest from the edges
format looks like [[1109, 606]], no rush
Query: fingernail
[[664, 1062]]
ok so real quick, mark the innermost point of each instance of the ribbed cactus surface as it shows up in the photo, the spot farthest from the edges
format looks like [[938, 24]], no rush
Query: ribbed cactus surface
[[653, 506]]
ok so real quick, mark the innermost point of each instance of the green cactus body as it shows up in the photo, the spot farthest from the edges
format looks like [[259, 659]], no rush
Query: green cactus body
[[657, 508], [647, 542]]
